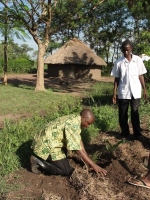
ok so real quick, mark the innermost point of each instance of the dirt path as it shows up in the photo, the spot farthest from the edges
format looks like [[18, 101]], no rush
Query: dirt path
[[74, 87]]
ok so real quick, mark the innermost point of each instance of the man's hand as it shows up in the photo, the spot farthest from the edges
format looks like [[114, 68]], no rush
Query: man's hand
[[86, 159], [100, 170], [114, 99], [116, 83], [145, 96]]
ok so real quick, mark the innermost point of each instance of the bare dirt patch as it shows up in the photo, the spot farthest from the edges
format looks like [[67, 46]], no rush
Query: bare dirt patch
[[126, 162], [74, 87]]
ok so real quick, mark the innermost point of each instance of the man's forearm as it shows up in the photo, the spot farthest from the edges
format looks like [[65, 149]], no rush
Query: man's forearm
[[116, 83], [85, 157], [141, 78], [82, 145]]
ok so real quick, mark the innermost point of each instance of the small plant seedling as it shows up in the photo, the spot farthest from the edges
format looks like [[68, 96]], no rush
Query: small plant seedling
[[112, 147]]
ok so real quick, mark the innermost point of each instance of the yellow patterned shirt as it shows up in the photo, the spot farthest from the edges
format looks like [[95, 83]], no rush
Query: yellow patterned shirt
[[62, 132]]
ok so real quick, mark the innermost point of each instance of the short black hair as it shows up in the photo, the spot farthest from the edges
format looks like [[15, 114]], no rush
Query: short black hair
[[87, 113], [125, 43]]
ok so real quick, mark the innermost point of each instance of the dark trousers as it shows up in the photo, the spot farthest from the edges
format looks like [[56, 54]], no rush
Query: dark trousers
[[123, 115], [59, 167]]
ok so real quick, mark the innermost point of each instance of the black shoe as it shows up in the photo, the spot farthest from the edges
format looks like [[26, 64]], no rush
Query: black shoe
[[125, 135], [35, 165], [138, 136]]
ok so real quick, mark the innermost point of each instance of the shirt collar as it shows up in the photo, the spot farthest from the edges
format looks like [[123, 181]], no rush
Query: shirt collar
[[133, 59]]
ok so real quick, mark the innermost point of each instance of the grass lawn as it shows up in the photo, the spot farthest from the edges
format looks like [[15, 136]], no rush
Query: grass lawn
[[18, 100]]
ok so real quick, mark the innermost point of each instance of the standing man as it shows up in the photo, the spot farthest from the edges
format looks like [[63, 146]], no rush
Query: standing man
[[129, 80]]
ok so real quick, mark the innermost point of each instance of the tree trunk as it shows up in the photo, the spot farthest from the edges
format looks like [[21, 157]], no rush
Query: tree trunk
[[5, 61], [5, 48], [40, 69]]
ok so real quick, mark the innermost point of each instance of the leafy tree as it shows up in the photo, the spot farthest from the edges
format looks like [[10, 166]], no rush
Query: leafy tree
[[139, 8], [15, 51], [8, 30], [52, 46], [45, 18], [19, 60], [140, 12], [107, 26]]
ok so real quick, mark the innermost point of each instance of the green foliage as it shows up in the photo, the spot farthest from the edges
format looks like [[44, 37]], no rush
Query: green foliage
[[106, 114], [106, 70], [1, 65], [100, 94], [89, 134], [108, 25], [139, 8], [16, 139], [144, 108], [18, 59], [106, 118], [147, 75], [95, 156], [20, 65], [112, 147]]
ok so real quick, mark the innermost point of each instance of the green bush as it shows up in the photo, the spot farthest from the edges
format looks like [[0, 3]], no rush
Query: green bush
[[106, 70], [89, 134], [106, 118], [147, 75], [1, 65], [20, 65]]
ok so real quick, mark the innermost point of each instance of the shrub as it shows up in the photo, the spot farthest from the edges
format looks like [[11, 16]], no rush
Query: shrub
[[147, 75], [106, 118], [106, 70], [89, 134], [20, 65]]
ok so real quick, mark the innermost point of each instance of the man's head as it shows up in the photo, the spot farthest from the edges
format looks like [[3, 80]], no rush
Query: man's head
[[87, 118], [126, 48]]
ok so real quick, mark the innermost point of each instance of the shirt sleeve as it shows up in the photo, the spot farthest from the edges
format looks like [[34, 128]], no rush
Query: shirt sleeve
[[73, 136], [115, 70], [141, 67]]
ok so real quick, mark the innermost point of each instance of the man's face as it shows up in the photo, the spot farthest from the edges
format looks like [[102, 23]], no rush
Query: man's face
[[85, 123], [127, 50]]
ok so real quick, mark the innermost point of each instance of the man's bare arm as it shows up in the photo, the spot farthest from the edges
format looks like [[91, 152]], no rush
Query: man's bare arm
[[141, 78], [82, 153]]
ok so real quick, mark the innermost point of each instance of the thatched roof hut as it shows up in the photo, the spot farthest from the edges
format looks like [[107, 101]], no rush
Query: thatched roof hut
[[75, 59]]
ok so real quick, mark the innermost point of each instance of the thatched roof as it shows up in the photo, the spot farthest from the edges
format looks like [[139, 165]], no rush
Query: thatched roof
[[75, 52]]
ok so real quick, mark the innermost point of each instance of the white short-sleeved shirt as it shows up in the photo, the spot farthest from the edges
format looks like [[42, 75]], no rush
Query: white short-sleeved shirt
[[128, 74]]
